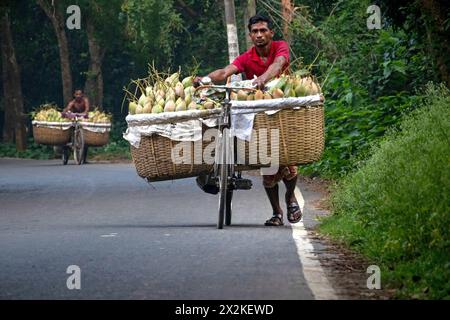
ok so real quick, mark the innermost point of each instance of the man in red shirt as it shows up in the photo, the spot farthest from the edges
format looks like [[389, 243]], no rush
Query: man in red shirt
[[266, 60]]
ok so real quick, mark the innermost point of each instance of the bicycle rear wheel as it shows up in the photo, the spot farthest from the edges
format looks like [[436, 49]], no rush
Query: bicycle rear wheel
[[65, 155], [78, 146]]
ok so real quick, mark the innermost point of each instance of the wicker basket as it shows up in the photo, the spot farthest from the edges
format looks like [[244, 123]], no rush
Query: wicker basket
[[95, 134], [51, 135], [301, 137], [95, 139], [153, 159], [301, 134]]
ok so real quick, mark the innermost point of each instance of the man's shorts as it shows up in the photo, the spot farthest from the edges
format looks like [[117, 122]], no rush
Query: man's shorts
[[288, 173]]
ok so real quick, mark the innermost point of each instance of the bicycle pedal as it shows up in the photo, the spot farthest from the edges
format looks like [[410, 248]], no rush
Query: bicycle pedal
[[242, 184]]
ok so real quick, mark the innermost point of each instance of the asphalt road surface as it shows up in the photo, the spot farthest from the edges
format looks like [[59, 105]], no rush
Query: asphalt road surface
[[134, 240]]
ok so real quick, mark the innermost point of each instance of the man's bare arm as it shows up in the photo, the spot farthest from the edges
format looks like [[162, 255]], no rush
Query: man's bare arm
[[69, 106], [86, 103], [221, 75], [274, 69]]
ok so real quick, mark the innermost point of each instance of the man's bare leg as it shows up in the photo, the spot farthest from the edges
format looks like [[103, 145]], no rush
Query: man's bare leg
[[272, 194], [290, 190], [294, 213]]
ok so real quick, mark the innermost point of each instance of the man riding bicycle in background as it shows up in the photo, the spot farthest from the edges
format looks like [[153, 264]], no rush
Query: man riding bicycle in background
[[78, 107], [80, 103], [265, 60]]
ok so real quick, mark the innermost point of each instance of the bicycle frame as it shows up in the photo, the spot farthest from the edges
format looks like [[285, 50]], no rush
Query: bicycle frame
[[76, 143], [224, 170]]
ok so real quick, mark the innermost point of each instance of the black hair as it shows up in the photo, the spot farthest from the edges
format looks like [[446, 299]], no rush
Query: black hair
[[78, 89], [259, 18]]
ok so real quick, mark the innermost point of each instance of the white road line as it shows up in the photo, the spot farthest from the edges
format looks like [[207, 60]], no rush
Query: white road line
[[108, 235], [312, 270]]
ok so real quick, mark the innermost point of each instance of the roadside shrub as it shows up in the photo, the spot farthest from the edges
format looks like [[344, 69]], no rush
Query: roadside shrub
[[395, 208]]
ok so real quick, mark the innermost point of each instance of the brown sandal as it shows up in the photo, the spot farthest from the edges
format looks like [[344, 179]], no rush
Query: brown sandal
[[294, 214], [275, 221]]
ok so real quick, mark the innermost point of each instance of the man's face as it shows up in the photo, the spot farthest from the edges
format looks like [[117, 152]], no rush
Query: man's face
[[78, 95], [260, 34]]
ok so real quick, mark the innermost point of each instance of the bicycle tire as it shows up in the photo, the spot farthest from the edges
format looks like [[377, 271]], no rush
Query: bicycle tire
[[223, 195], [65, 155], [228, 209], [223, 178], [229, 206], [78, 148]]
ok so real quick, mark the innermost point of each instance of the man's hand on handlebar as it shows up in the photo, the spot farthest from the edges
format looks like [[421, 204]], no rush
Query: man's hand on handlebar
[[198, 81], [72, 115]]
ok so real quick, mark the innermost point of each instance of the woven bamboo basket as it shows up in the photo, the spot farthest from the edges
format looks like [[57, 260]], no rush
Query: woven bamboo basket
[[301, 141], [51, 135], [301, 138], [95, 134], [95, 139], [153, 159]]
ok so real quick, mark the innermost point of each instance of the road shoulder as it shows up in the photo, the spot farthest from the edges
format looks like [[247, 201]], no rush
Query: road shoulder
[[346, 270]]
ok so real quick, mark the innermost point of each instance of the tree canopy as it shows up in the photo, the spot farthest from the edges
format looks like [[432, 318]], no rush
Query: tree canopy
[[118, 39]]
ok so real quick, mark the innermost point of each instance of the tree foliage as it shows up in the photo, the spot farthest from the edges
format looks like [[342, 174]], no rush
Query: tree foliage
[[370, 77]]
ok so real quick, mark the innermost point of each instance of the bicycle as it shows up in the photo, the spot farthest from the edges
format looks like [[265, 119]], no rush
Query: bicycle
[[77, 140], [224, 174]]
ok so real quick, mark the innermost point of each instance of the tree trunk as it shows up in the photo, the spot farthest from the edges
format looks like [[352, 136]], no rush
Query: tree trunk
[[233, 44], [250, 11], [287, 9], [186, 8], [94, 80], [8, 126], [14, 127], [437, 35], [58, 22]]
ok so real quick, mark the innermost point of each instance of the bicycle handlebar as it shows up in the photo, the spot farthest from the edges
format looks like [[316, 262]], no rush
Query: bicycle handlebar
[[223, 87], [74, 115]]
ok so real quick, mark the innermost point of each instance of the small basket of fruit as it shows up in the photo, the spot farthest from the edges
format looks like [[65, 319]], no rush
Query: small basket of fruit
[[96, 128]]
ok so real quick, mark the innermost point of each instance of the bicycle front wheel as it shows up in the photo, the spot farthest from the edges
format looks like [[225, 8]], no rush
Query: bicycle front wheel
[[223, 185], [228, 199], [223, 173]]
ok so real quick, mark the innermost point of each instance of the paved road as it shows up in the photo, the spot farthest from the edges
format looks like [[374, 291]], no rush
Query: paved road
[[134, 240]]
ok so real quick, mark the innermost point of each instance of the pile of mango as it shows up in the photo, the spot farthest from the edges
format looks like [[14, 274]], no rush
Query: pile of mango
[[49, 113], [172, 94], [98, 116]]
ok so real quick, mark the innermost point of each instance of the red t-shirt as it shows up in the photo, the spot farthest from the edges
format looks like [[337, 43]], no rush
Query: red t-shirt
[[250, 63]]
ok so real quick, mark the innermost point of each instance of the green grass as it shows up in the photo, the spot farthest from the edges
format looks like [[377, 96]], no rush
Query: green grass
[[112, 151], [395, 208], [33, 151], [117, 148]]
